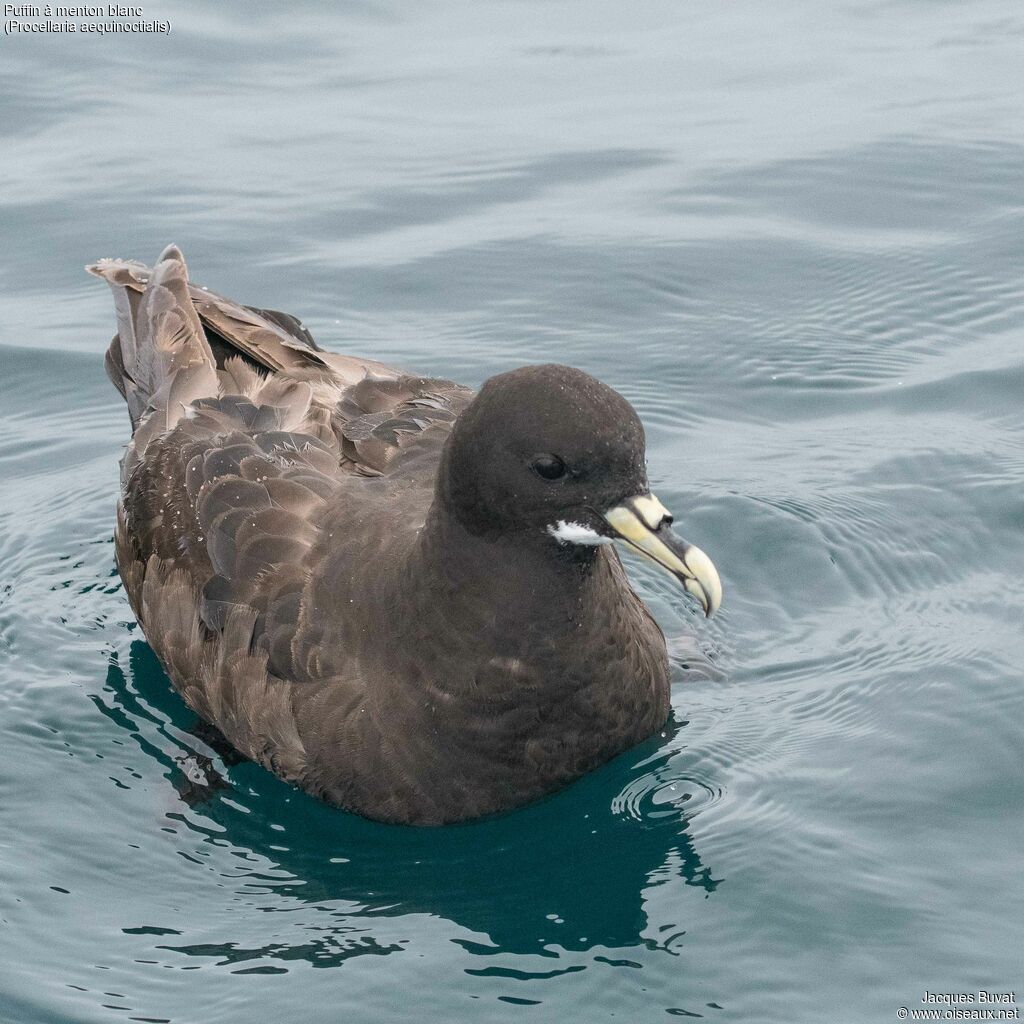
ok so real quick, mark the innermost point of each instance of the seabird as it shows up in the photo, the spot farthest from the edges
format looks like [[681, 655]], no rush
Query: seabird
[[392, 592]]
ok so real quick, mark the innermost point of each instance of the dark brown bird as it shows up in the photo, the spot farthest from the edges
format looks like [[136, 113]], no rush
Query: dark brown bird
[[398, 595]]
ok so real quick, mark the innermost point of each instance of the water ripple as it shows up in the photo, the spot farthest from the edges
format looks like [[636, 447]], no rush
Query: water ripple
[[660, 795]]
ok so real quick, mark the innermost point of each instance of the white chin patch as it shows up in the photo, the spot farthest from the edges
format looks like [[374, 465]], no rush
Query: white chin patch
[[576, 533]]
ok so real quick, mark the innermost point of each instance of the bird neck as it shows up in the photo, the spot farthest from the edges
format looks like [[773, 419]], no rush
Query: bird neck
[[519, 577]]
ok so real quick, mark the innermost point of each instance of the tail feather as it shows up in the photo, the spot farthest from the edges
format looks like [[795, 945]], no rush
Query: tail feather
[[168, 333], [120, 378], [159, 359], [269, 339], [176, 343], [126, 305]]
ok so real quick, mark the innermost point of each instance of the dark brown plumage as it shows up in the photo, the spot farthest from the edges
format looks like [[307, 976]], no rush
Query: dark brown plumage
[[351, 572]]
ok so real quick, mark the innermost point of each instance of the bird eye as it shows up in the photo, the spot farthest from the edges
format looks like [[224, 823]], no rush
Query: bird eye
[[549, 467]]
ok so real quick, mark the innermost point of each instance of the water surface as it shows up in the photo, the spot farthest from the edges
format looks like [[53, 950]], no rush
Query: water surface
[[792, 237]]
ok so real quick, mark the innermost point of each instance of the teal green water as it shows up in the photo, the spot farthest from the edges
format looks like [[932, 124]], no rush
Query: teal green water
[[793, 236]]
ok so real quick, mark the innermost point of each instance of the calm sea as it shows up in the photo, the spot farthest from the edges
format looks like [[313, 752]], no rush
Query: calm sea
[[793, 236]]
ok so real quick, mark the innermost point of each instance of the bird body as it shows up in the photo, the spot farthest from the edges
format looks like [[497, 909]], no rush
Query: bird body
[[362, 577]]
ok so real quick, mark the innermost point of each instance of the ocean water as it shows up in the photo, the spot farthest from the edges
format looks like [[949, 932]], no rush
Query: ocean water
[[793, 236]]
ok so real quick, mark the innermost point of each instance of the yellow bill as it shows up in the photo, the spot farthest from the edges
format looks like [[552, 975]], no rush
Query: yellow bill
[[644, 524]]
